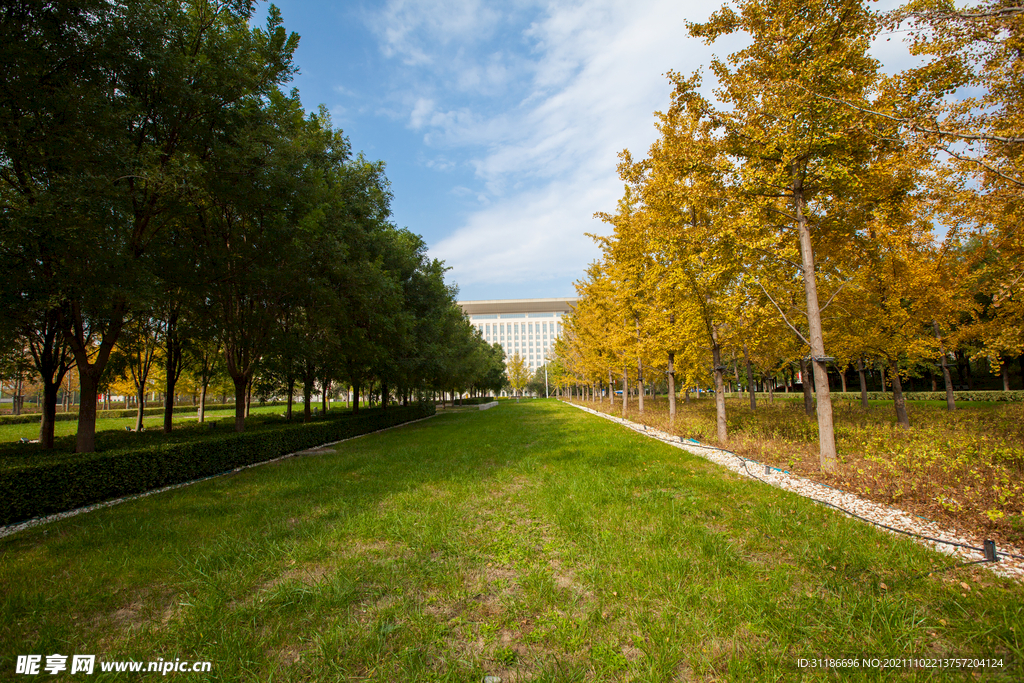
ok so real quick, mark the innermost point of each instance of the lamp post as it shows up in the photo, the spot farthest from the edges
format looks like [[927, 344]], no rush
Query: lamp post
[[546, 394]]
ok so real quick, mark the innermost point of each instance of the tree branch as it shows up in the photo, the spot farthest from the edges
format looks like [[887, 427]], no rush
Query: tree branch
[[913, 125], [981, 163], [784, 318], [834, 295]]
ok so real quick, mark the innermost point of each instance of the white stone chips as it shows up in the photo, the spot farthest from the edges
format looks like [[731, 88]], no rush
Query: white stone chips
[[882, 514]]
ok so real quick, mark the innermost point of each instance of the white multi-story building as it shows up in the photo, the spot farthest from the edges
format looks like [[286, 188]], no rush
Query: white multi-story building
[[528, 327]]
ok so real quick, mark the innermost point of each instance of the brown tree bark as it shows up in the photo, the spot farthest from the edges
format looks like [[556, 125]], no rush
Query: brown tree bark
[[172, 367], [308, 377], [750, 378], [52, 360], [140, 398], [947, 379], [826, 430], [241, 383], [640, 386], [290, 381], [671, 387], [805, 384], [716, 355], [202, 400], [625, 391], [863, 384], [898, 400], [325, 400], [90, 371]]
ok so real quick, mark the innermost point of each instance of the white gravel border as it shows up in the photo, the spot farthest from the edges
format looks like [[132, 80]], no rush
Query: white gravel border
[[883, 514], [315, 450]]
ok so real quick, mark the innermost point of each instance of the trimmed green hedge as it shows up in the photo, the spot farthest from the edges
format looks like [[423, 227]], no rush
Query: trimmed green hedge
[[29, 418], [473, 401], [923, 395], [72, 481]]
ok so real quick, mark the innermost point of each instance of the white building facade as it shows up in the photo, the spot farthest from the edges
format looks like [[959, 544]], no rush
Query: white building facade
[[528, 327]]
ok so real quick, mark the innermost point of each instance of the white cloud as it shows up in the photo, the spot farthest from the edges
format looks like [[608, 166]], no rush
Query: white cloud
[[421, 112], [539, 107], [412, 29], [524, 239], [593, 78]]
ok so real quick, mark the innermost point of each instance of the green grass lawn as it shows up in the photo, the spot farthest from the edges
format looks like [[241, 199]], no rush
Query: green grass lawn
[[530, 541]]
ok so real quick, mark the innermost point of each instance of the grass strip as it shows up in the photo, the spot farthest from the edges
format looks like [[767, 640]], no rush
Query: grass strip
[[56, 482], [531, 542]]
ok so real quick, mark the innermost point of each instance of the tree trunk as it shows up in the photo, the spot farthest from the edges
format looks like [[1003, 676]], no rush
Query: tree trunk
[[202, 400], [384, 395], [141, 397], [842, 377], [1006, 374], [897, 396], [248, 393], [686, 395], [611, 389], [625, 391], [826, 434], [881, 373], [671, 387], [50, 355], [750, 378], [863, 384], [640, 386], [291, 396], [241, 383], [946, 378], [172, 368], [716, 355], [85, 440], [355, 398], [307, 393], [806, 386], [49, 413], [325, 399]]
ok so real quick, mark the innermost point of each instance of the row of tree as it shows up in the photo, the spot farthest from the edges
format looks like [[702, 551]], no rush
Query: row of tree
[[163, 200], [818, 211]]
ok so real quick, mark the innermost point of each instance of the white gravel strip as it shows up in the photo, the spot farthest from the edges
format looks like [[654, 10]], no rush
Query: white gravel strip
[[882, 514], [39, 521]]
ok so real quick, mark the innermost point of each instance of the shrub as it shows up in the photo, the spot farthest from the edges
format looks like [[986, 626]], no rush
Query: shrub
[[64, 481], [919, 395], [475, 401], [28, 418]]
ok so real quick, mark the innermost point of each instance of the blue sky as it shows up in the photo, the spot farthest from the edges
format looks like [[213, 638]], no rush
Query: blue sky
[[499, 122]]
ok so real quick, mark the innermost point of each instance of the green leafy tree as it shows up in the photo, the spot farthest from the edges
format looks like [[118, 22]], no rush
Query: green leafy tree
[[517, 374]]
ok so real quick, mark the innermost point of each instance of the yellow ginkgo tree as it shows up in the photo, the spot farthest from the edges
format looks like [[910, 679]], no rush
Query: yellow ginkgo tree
[[795, 146]]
